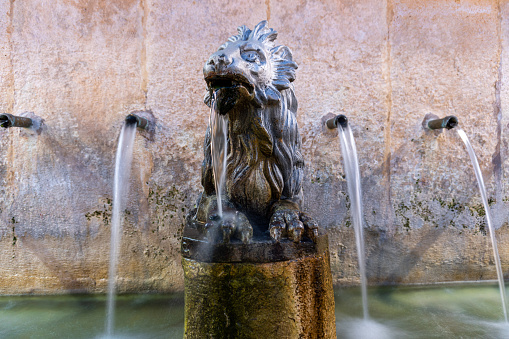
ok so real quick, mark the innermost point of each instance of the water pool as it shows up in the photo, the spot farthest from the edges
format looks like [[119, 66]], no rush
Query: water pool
[[445, 311], [83, 316]]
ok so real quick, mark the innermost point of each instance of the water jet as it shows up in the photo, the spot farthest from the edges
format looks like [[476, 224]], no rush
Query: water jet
[[491, 227], [353, 179], [432, 122], [123, 161]]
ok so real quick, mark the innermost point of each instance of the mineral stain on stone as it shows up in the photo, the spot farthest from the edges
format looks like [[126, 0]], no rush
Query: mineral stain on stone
[[14, 239]]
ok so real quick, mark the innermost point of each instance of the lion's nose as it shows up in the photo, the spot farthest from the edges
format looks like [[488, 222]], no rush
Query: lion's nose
[[219, 59]]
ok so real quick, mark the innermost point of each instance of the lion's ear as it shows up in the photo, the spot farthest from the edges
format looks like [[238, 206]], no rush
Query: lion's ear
[[282, 52], [264, 34], [284, 67]]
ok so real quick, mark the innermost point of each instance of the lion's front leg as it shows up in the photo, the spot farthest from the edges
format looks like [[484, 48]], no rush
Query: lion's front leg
[[288, 221]]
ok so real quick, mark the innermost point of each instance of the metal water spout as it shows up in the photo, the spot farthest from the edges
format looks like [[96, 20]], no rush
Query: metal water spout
[[140, 121], [448, 122], [339, 120], [8, 120]]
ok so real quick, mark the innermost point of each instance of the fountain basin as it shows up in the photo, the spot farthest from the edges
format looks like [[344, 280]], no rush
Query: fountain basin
[[470, 310]]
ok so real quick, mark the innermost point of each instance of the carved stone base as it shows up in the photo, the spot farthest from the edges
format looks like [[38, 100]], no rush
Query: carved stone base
[[260, 298]]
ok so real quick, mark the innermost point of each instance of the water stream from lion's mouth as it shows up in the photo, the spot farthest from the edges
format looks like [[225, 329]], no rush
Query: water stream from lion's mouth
[[353, 180], [491, 228], [218, 149]]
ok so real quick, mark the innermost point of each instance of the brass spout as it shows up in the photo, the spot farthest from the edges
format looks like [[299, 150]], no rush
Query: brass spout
[[136, 119], [448, 122], [8, 120], [339, 120]]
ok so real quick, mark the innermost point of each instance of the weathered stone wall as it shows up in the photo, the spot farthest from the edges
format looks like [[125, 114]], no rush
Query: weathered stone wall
[[83, 65]]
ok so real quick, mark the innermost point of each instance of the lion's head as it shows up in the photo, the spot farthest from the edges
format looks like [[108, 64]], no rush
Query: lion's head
[[249, 65], [251, 80]]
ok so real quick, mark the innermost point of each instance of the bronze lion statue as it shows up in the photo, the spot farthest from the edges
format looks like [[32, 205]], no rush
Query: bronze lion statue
[[251, 79]]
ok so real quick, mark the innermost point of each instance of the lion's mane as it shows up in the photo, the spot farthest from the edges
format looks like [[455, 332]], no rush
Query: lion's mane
[[264, 158]]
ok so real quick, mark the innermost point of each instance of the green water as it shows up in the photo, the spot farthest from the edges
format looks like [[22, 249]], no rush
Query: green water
[[445, 311], [74, 317], [465, 311]]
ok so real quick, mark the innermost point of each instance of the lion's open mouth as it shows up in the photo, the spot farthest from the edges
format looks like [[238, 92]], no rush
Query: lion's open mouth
[[218, 82]]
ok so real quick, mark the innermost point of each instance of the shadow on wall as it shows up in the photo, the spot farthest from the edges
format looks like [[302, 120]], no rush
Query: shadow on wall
[[59, 269], [390, 262]]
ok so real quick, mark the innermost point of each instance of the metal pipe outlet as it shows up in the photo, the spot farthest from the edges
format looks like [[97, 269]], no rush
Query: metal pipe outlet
[[8, 120], [339, 120], [136, 119], [448, 122]]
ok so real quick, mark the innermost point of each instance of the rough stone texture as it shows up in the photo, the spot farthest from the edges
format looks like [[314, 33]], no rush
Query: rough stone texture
[[83, 65], [285, 299]]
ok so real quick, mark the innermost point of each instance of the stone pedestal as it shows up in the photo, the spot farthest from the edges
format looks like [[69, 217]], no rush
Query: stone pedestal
[[259, 290]]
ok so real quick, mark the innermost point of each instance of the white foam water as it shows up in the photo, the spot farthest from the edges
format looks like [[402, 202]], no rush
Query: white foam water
[[353, 328], [491, 229], [351, 163], [123, 162]]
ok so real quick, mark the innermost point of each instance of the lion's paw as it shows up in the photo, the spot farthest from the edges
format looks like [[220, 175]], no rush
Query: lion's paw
[[232, 225], [292, 224]]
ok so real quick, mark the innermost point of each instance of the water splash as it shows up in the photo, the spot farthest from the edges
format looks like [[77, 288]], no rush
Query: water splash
[[349, 151], [218, 150], [123, 160], [482, 189], [368, 329]]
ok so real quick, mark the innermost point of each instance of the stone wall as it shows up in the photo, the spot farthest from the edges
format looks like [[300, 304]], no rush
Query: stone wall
[[83, 65]]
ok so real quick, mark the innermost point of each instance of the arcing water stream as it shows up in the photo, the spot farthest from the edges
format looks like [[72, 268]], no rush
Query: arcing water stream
[[491, 228], [218, 150], [353, 180], [123, 160]]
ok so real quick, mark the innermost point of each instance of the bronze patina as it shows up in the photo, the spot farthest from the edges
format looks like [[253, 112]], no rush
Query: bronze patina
[[252, 80]]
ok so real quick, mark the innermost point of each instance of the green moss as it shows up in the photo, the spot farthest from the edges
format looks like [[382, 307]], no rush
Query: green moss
[[401, 211], [477, 209], [14, 239], [104, 214], [243, 300], [455, 206]]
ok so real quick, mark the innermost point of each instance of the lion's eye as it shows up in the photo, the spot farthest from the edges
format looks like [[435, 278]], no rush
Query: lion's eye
[[251, 56]]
